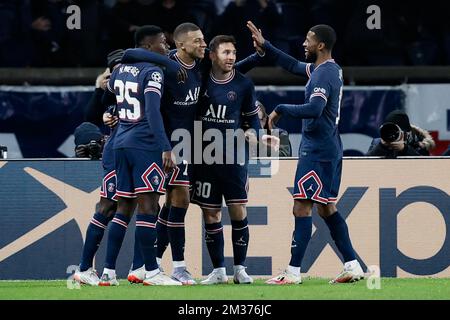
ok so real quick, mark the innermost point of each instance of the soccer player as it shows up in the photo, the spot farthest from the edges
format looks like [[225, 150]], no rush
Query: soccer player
[[228, 100], [143, 155], [318, 175], [107, 206]]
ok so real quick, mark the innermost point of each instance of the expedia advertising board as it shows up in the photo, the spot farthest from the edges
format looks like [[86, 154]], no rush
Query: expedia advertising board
[[398, 213]]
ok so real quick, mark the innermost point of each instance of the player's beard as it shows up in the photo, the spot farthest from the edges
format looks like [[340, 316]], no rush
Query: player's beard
[[311, 57]]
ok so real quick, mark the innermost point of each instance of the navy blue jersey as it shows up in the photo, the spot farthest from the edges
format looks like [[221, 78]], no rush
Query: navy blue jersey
[[179, 101], [224, 105], [320, 135], [320, 113], [138, 89]]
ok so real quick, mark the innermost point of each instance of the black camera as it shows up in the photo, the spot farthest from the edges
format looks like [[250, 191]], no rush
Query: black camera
[[92, 150], [390, 132]]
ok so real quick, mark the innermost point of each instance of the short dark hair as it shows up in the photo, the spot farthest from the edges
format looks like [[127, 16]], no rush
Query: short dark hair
[[145, 31], [326, 34], [217, 40], [184, 28]]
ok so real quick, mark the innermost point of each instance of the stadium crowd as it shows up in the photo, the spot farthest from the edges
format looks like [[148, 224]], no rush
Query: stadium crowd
[[34, 33]]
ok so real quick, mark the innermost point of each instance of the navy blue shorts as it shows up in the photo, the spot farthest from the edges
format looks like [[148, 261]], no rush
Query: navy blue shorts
[[318, 180], [138, 171], [109, 181], [180, 176], [216, 182]]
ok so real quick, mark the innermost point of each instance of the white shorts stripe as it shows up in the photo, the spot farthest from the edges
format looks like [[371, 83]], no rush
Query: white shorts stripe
[[122, 223]]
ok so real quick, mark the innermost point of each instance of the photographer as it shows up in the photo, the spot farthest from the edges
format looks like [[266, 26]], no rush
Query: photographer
[[400, 138], [89, 141]]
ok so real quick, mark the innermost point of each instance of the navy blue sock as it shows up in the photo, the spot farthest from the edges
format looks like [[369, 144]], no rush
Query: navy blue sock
[[116, 234], [138, 260], [94, 236], [215, 243], [240, 236], [177, 232], [162, 232], [300, 240], [339, 233], [146, 234]]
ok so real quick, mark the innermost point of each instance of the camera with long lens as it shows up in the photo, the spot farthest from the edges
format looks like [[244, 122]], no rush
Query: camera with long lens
[[390, 132]]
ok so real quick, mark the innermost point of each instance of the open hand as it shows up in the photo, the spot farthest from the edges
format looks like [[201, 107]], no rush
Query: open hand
[[258, 39]]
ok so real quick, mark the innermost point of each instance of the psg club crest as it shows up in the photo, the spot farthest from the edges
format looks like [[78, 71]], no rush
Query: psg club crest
[[155, 180], [231, 96], [111, 187]]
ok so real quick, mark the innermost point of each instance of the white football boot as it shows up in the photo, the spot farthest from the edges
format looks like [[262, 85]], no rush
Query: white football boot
[[352, 272], [88, 277], [241, 276], [217, 276], [182, 275], [137, 275], [285, 277], [160, 279]]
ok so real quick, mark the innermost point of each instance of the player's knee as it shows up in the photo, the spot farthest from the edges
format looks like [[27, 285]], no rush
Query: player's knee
[[327, 210], [237, 212], [148, 203], [211, 216], [126, 206], [107, 207], [180, 202], [302, 209]]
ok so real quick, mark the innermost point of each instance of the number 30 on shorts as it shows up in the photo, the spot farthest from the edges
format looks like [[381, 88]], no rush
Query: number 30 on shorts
[[203, 189]]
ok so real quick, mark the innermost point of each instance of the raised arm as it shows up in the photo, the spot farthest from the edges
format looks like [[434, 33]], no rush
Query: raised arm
[[173, 68], [277, 56], [247, 64]]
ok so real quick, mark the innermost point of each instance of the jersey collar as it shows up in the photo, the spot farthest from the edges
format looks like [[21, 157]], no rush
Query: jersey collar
[[183, 64], [223, 81]]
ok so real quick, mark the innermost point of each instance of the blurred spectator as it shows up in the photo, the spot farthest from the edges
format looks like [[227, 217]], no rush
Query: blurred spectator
[[204, 15], [127, 16], [48, 32], [34, 33], [295, 23], [400, 138], [384, 46], [89, 45], [264, 13], [16, 47], [169, 14]]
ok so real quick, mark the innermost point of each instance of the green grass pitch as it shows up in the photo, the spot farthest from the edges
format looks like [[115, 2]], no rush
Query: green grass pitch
[[312, 288]]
